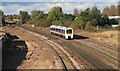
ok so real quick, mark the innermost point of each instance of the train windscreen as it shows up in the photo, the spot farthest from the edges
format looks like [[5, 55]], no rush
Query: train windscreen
[[69, 31]]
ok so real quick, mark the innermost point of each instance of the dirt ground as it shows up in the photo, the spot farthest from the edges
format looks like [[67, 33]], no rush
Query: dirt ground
[[2, 33], [36, 56], [109, 36]]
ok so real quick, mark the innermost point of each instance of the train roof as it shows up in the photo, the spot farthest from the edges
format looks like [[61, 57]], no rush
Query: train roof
[[52, 26], [60, 27]]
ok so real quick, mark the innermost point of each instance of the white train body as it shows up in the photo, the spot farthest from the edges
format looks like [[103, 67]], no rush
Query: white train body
[[62, 31]]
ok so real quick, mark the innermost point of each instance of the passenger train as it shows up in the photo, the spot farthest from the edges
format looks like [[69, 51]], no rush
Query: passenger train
[[65, 32]]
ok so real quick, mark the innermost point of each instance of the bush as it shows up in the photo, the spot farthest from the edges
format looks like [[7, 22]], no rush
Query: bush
[[7, 39], [88, 26], [117, 28], [68, 23], [40, 23], [79, 22], [59, 23], [106, 26], [74, 26]]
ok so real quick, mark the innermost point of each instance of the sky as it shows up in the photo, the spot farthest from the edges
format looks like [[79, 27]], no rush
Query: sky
[[68, 6], [59, 0]]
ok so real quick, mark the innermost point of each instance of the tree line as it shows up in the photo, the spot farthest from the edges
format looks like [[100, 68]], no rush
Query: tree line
[[88, 19], [112, 10], [1, 17]]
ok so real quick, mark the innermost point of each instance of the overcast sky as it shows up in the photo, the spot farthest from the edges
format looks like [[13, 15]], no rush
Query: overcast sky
[[14, 6]]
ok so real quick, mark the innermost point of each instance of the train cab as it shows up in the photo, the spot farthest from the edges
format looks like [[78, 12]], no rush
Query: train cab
[[69, 33]]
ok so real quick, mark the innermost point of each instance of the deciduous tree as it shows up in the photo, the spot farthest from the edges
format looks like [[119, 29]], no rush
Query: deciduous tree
[[2, 20], [24, 16], [76, 12], [55, 14]]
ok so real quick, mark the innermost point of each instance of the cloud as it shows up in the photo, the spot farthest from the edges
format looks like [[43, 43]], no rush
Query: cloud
[[11, 9], [83, 6], [1, 8], [14, 8]]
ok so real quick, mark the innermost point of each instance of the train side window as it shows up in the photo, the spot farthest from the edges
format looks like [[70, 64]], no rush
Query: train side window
[[54, 29], [63, 31], [58, 30]]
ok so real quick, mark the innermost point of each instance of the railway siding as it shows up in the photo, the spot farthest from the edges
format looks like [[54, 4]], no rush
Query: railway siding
[[99, 54], [110, 52], [56, 46], [41, 37], [77, 56], [39, 55]]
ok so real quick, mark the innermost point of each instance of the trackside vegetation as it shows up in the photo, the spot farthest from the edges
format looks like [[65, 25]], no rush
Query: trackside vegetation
[[89, 19]]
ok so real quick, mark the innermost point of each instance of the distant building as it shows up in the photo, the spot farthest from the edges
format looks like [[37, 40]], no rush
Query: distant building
[[114, 20], [114, 17]]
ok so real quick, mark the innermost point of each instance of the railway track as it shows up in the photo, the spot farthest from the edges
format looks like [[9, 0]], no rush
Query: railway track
[[103, 44], [36, 51], [92, 63], [67, 61], [88, 57], [105, 50], [101, 55], [89, 65]]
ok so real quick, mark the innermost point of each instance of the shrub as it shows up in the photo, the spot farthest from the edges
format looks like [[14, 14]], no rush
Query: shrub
[[7, 39], [59, 23], [88, 26], [68, 23], [79, 22], [44, 23], [117, 28]]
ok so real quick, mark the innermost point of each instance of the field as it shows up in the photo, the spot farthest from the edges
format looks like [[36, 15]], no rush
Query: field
[[109, 37]]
